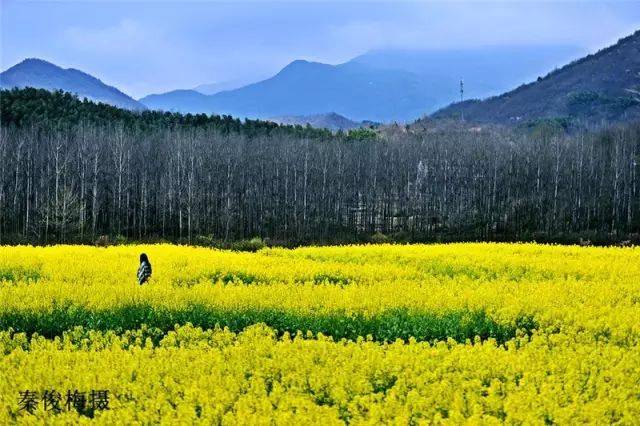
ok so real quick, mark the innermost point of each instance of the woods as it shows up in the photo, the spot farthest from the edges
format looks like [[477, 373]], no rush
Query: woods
[[68, 177]]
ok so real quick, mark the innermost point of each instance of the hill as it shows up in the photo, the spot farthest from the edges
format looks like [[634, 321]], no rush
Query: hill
[[45, 75], [331, 121], [604, 86]]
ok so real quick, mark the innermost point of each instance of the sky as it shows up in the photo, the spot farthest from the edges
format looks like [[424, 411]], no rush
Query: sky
[[152, 46]]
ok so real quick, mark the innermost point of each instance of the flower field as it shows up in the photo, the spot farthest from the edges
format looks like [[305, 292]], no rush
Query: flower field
[[477, 333]]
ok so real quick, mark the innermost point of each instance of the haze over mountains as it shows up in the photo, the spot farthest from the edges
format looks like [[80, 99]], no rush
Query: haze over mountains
[[213, 88], [485, 71], [601, 86], [398, 85], [41, 74], [353, 90], [384, 86]]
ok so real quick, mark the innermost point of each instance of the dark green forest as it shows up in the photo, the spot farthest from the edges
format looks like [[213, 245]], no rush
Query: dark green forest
[[61, 110], [75, 171]]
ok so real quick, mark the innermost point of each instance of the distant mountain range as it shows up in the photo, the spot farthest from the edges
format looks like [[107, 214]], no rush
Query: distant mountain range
[[213, 88], [397, 85], [45, 75], [306, 88], [331, 121], [485, 71], [384, 86], [601, 86]]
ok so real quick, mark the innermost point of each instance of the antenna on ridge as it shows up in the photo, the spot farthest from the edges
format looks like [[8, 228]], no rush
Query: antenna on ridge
[[461, 99]]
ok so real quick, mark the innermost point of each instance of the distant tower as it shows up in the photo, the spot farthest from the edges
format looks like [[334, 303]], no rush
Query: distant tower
[[461, 99]]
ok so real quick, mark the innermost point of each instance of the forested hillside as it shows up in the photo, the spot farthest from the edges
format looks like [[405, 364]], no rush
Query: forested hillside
[[604, 86], [61, 110], [73, 170], [41, 74]]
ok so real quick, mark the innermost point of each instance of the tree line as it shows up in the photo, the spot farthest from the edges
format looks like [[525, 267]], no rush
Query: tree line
[[70, 176]]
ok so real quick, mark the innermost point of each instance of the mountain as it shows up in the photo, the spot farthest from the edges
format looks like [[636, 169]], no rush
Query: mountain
[[331, 121], [45, 75], [486, 70], [601, 86], [384, 85], [184, 101], [307, 88], [213, 88]]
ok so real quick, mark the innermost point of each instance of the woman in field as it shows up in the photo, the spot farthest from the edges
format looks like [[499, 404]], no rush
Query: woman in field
[[144, 271]]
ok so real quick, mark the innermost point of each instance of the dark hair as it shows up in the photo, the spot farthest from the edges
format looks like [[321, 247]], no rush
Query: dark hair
[[144, 258]]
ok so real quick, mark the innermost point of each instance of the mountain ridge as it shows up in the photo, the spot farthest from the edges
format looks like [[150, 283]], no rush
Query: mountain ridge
[[41, 74], [308, 88], [598, 86], [384, 86]]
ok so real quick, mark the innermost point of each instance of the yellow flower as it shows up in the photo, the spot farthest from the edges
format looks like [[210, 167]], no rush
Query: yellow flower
[[401, 334]]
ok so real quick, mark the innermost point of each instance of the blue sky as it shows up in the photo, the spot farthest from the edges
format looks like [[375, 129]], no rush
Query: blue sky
[[153, 46]]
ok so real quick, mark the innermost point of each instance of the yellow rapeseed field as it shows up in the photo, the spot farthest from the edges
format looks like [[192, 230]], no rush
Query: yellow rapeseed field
[[403, 334]]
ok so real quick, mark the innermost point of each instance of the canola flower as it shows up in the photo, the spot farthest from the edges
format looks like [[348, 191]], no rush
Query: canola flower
[[476, 333], [509, 285], [218, 377]]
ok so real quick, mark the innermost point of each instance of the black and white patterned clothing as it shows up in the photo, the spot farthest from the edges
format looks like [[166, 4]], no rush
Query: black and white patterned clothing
[[144, 272]]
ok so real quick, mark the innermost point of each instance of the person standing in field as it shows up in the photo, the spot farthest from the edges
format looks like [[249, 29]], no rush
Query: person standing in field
[[144, 271]]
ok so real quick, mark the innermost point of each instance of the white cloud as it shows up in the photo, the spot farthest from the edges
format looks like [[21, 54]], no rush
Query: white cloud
[[477, 23], [127, 36]]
